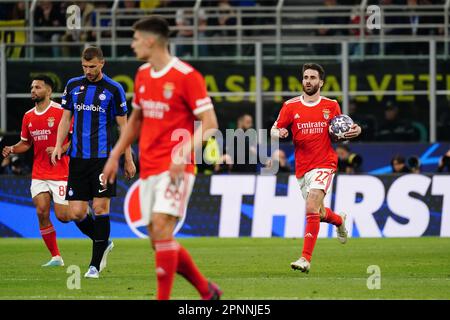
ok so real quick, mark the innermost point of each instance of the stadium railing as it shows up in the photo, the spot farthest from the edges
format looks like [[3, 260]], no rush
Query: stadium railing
[[264, 23]]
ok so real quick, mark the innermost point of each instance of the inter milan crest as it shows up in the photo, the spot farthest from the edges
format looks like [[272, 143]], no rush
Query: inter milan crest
[[51, 122], [168, 90], [102, 96], [326, 113]]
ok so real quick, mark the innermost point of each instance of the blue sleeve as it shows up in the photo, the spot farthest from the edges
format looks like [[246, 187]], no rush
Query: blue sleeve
[[120, 102], [66, 99]]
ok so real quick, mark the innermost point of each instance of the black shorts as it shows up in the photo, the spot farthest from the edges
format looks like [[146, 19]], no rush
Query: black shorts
[[85, 180]]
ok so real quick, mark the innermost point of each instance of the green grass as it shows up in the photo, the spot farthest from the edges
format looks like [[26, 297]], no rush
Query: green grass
[[245, 268]]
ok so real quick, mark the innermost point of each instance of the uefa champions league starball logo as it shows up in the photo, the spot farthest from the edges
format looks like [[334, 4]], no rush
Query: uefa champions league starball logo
[[340, 125]]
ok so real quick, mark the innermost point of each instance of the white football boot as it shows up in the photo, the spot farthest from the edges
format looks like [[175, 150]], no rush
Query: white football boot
[[92, 273], [56, 261], [341, 231], [301, 264]]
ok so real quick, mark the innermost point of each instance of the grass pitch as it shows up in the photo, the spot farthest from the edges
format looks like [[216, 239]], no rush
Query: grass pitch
[[245, 268]]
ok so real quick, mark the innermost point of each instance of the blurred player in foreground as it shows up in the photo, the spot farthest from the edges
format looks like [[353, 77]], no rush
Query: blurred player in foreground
[[39, 129], [169, 95], [315, 160], [96, 103]]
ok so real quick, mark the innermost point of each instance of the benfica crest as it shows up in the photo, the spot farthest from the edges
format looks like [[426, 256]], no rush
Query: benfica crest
[[51, 122], [168, 90], [326, 113]]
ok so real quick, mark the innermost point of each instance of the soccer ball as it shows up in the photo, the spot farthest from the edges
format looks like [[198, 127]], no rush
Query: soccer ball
[[339, 125]]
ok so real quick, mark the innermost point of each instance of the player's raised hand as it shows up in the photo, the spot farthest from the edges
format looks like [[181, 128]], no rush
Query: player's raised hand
[[354, 131], [6, 151], [56, 154], [130, 169], [110, 169]]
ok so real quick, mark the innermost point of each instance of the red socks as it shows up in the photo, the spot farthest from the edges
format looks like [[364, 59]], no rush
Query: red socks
[[49, 236], [188, 269], [332, 217], [166, 265], [311, 232], [171, 257]]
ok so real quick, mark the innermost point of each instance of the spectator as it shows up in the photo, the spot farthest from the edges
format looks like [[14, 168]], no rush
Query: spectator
[[414, 164], [279, 159], [104, 22], [227, 17], [4, 166], [394, 128], [47, 14], [244, 123], [185, 24], [398, 164], [367, 122], [330, 49], [12, 165], [18, 11], [82, 35], [132, 5], [348, 162], [444, 162]]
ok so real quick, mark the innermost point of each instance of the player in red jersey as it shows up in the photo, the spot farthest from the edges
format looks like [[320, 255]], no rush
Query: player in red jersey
[[39, 128], [169, 95], [315, 159]]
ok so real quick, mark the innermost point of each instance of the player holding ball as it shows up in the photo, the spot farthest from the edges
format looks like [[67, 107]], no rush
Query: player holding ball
[[309, 117]]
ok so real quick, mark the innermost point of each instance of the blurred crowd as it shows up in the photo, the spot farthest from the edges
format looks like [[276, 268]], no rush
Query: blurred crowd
[[53, 14]]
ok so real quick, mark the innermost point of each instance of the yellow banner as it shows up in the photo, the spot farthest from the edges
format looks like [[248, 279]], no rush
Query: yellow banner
[[13, 36]]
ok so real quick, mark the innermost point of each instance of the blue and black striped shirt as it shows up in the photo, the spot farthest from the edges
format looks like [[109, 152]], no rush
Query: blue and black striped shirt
[[94, 106]]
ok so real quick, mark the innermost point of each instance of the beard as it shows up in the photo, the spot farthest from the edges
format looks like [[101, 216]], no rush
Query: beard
[[37, 99], [312, 90]]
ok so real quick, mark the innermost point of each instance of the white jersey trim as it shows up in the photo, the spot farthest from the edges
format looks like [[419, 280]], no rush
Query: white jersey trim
[[45, 110], [292, 100], [183, 67], [197, 111], [145, 66], [135, 105], [158, 74], [310, 104]]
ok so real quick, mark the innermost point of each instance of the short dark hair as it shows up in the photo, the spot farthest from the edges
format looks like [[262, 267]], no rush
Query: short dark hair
[[92, 52], [399, 158], [314, 66], [153, 24], [47, 80]]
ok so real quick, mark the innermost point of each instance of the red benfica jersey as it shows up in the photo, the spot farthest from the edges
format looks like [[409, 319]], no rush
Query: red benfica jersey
[[169, 99], [41, 129], [309, 127]]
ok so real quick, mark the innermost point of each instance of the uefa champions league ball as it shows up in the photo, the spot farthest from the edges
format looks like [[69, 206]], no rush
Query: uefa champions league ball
[[339, 125]]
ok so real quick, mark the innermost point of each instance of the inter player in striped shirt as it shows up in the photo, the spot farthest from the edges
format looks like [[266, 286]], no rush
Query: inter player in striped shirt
[[39, 129], [96, 102], [308, 116], [169, 95]]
